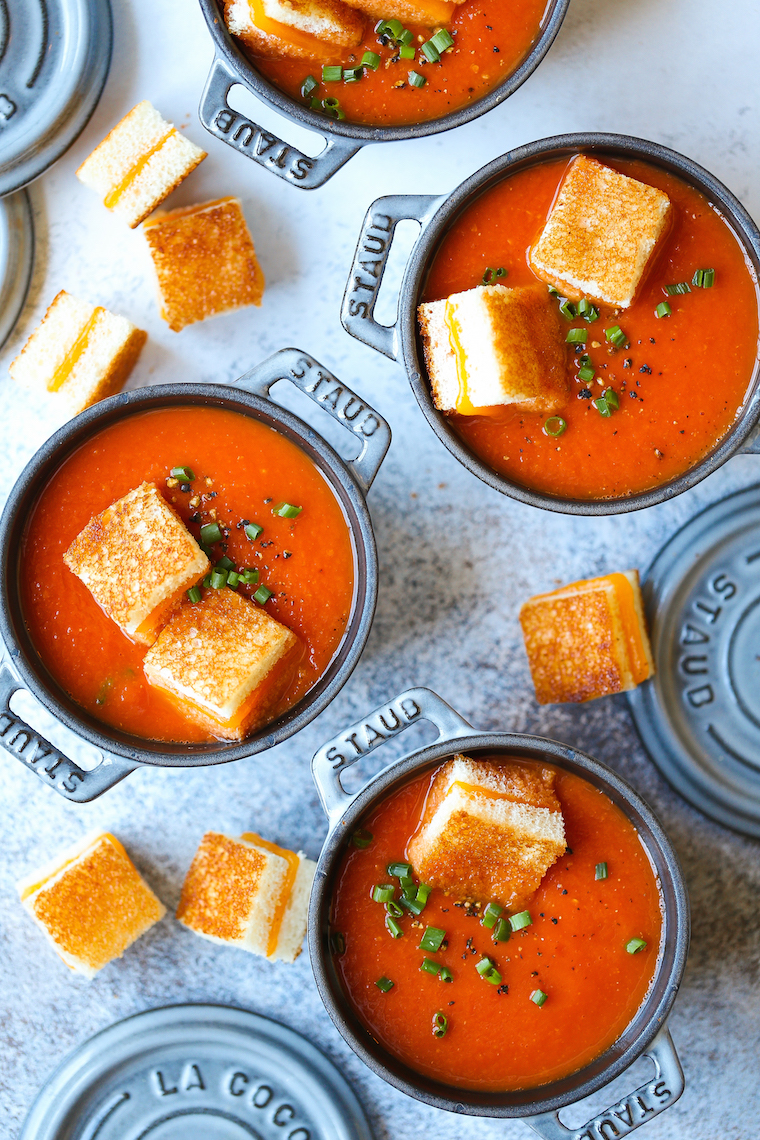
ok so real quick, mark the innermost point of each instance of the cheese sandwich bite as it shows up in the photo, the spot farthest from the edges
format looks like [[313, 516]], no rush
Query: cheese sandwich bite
[[249, 893], [205, 261], [600, 234], [91, 903], [587, 639], [79, 354], [139, 163], [492, 346], [428, 13], [225, 661], [294, 29], [489, 831], [137, 559]]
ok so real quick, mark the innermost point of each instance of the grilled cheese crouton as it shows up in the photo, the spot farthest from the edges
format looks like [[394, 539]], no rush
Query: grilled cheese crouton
[[80, 353], [294, 29], [490, 830], [587, 639], [139, 163], [137, 559], [600, 234], [493, 346], [249, 893], [91, 903], [429, 13], [225, 662], [205, 261]]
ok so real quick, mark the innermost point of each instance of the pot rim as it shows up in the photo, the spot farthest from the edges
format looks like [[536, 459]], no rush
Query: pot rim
[[344, 486], [558, 146], [247, 74], [645, 1025]]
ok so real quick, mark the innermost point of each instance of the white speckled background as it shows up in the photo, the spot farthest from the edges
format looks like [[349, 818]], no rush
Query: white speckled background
[[456, 558]]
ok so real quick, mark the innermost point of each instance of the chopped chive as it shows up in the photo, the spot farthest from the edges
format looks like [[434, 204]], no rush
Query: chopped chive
[[393, 927], [663, 310], [490, 915], [538, 997], [338, 942], [440, 1025], [492, 275], [442, 40], [423, 893], [218, 579], [315, 104], [585, 373], [412, 905], [588, 311], [309, 84], [286, 510], [207, 581], [394, 28], [406, 51], [416, 79], [680, 288], [211, 533], [521, 920], [602, 407], [502, 931], [555, 426], [493, 977], [331, 74], [445, 974], [384, 984], [371, 59], [576, 336], [408, 885], [432, 939], [568, 310], [183, 473], [611, 396], [704, 278], [232, 579], [262, 595], [430, 967], [430, 52], [193, 594], [393, 909], [383, 892], [585, 360], [483, 966], [400, 870], [406, 38], [600, 871], [352, 74], [616, 336], [332, 107], [225, 563], [250, 577], [252, 531], [635, 945], [362, 838]]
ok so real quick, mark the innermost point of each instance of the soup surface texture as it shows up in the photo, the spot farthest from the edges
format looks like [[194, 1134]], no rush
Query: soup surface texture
[[241, 467], [491, 39], [574, 951], [681, 382]]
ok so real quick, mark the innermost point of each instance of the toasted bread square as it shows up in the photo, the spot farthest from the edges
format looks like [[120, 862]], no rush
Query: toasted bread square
[[295, 29], [139, 163], [224, 661], [492, 346], [587, 639], [91, 903], [205, 261], [429, 13], [249, 893], [600, 234], [490, 831], [137, 559], [79, 354]]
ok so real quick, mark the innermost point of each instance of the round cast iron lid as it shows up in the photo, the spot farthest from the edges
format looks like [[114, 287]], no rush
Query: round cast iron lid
[[196, 1072], [16, 258], [699, 716], [54, 59]]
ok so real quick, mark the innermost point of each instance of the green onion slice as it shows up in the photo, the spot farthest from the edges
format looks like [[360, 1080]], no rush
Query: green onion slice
[[616, 336], [568, 310], [371, 59], [635, 945], [383, 892], [332, 107], [600, 871], [484, 965], [576, 336], [262, 595], [183, 473], [331, 74], [225, 563], [400, 870], [384, 984], [218, 579], [393, 927], [440, 1024], [538, 997], [678, 289], [588, 311], [704, 278], [352, 74], [211, 533], [490, 915], [493, 977], [492, 275], [430, 967], [611, 396], [406, 38], [585, 373], [412, 905], [442, 40], [232, 579], [393, 909], [252, 531], [432, 939], [416, 79], [309, 84], [555, 426], [445, 974], [408, 885], [286, 510], [406, 51], [502, 931], [250, 577], [521, 920], [663, 310], [362, 838], [394, 28], [430, 52], [603, 407], [207, 581], [193, 594], [423, 894]]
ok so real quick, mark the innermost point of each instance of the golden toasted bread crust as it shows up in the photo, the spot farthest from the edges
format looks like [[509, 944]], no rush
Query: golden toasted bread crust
[[330, 24], [220, 888]]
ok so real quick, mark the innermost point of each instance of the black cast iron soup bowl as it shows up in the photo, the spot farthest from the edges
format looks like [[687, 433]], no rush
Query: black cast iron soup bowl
[[21, 666], [438, 214], [646, 1035], [343, 139]]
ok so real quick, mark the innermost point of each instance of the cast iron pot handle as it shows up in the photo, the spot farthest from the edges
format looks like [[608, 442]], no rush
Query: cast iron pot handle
[[633, 1110], [368, 268], [54, 769], [367, 734], [262, 146], [350, 410]]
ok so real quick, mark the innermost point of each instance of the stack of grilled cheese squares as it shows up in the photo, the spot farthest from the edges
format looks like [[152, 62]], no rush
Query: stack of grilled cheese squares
[[588, 639], [294, 29], [494, 346], [490, 830], [600, 234], [80, 353], [248, 893], [139, 163], [91, 903]]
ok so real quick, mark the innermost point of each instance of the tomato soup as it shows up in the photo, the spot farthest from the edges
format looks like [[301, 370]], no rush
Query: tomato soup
[[681, 381], [578, 952], [241, 467], [491, 39]]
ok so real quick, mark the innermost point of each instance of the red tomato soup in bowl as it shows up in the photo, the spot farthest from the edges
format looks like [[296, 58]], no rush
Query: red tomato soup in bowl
[[651, 387], [271, 526], [497, 994]]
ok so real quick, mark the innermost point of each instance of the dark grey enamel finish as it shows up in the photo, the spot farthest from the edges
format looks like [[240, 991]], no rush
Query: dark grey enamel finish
[[349, 480], [343, 139], [16, 258], [54, 60], [647, 1034], [699, 716], [196, 1072], [436, 216]]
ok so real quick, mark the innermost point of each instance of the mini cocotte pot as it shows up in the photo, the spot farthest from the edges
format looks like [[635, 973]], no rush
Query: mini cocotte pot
[[20, 665], [343, 139], [437, 214], [646, 1035]]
